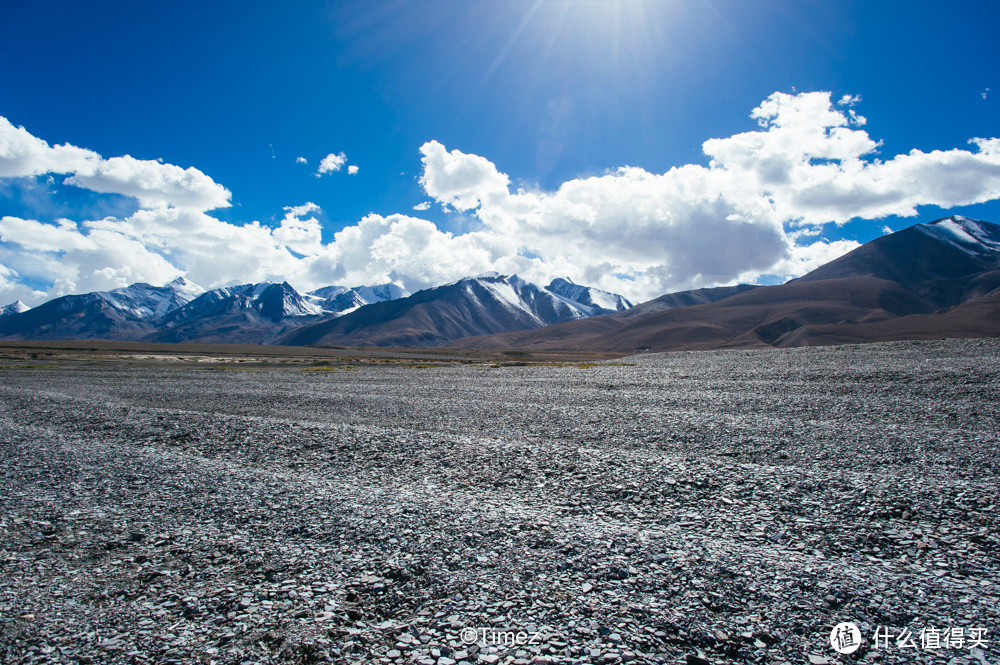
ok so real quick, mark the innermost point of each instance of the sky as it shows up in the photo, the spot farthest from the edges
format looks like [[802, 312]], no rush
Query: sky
[[640, 146]]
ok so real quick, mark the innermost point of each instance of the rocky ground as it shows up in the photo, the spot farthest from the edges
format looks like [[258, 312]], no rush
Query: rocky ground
[[713, 507]]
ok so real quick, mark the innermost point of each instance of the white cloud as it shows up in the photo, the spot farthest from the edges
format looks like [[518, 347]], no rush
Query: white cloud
[[330, 163], [413, 251], [22, 154], [352, 169], [804, 258], [759, 207], [76, 258], [815, 166], [300, 231], [152, 183], [808, 164], [985, 93], [12, 290], [301, 160], [460, 180]]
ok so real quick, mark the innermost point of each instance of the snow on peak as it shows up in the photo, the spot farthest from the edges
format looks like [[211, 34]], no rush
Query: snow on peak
[[512, 292], [560, 301], [344, 300], [379, 292], [589, 296], [16, 307], [294, 304], [260, 287], [969, 235], [327, 292], [147, 301], [186, 287]]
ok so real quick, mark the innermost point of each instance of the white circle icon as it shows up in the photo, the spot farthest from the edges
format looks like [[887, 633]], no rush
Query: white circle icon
[[845, 637], [470, 635]]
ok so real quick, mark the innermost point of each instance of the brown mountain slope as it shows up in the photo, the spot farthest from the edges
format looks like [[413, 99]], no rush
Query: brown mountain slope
[[928, 281], [757, 318]]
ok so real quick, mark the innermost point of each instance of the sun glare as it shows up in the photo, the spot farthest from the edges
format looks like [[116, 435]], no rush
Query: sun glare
[[623, 40]]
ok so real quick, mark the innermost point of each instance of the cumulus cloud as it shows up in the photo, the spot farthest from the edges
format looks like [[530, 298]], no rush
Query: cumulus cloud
[[460, 180], [413, 252], [12, 290], [152, 183], [804, 258], [75, 258], [758, 207], [331, 163], [300, 231], [816, 166], [809, 164], [301, 160], [22, 154], [352, 169]]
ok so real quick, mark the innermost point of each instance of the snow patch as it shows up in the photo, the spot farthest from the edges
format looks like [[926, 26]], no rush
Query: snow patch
[[16, 307], [969, 235]]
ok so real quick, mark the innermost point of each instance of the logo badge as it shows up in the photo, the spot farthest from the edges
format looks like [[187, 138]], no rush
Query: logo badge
[[845, 637]]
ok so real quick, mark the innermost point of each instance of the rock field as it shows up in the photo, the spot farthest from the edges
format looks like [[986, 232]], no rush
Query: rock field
[[707, 507]]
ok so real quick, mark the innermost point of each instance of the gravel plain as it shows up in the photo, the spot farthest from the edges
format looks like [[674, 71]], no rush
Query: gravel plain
[[706, 507]]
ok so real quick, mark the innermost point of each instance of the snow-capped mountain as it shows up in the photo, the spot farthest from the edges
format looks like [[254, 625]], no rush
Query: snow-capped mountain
[[589, 296], [267, 299], [15, 307], [343, 300], [183, 311], [246, 313], [929, 281], [127, 313], [265, 312], [944, 263], [567, 302], [152, 302], [973, 236], [480, 305]]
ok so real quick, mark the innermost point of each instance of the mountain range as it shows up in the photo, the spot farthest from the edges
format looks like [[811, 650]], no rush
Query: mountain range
[[489, 303], [940, 279], [182, 311], [268, 312], [928, 281]]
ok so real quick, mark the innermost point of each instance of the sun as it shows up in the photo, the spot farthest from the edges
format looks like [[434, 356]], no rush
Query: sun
[[618, 37]]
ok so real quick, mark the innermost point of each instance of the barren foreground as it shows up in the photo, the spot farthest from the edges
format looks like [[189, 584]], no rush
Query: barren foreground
[[716, 506]]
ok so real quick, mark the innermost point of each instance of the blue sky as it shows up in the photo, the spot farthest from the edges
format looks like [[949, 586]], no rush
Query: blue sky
[[544, 92]]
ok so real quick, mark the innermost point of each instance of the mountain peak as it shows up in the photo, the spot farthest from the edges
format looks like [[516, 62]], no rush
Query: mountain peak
[[16, 307], [483, 304], [970, 235], [182, 285], [587, 295]]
